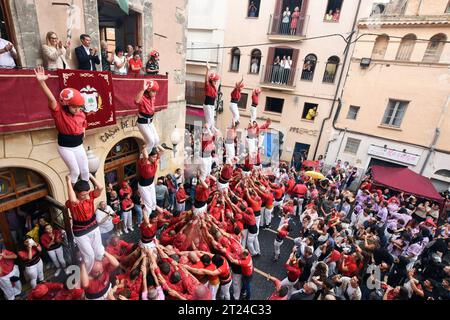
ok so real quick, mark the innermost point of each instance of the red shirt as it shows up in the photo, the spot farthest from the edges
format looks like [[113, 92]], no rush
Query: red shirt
[[249, 219], [83, 210], [288, 208], [137, 65], [210, 90], [127, 203], [23, 255], [255, 203], [147, 105], [148, 231], [351, 266], [299, 190], [46, 240], [123, 248], [123, 191], [278, 192], [201, 193], [255, 100], [72, 294], [293, 272], [180, 195], [268, 199], [98, 285], [67, 123], [247, 266], [147, 169], [208, 143], [236, 94], [133, 285], [6, 265], [53, 289], [227, 172]]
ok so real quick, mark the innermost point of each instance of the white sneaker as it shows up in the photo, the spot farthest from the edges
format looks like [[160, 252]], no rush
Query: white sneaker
[[131, 229], [125, 230], [58, 271]]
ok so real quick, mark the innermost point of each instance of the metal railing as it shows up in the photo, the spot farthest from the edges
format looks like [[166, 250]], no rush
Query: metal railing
[[277, 75], [287, 26], [193, 52]]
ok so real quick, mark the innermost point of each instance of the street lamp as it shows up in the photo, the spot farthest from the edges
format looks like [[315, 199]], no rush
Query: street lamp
[[175, 138], [93, 161]]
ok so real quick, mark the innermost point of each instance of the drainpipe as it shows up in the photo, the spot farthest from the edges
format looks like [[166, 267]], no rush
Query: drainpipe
[[437, 133], [347, 53], [340, 145]]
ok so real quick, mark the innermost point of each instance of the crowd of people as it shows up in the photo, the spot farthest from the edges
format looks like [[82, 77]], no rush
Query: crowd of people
[[56, 53]]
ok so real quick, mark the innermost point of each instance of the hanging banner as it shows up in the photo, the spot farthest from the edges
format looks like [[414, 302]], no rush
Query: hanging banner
[[97, 90]]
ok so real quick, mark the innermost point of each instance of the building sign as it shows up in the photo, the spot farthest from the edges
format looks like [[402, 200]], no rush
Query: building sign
[[97, 90], [304, 131], [395, 155]]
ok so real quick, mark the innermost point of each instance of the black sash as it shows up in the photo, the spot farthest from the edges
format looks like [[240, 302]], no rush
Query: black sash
[[210, 100], [146, 182], [70, 140]]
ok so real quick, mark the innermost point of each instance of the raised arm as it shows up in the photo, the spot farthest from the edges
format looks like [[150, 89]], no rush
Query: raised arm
[[98, 187], [139, 95], [42, 77], [72, 196], [208, 68]]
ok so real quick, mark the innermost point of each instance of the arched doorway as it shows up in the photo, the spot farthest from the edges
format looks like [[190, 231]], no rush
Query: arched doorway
[[24, 198], [121, 162]]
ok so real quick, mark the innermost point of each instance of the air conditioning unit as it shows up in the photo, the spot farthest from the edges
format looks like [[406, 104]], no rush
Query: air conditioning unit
[[365, 62]]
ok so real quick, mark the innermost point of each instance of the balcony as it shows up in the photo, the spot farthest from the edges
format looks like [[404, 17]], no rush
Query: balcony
[[196, 55], [279, 31], [24, 106], [278, 79]]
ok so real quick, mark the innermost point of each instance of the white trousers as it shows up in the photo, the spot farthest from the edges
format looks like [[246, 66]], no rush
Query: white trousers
[[266, 216], [290, 285], [253, 114], [237, 285], [91, 247], [234, 112], [244, 235], [180, 207], [230, 152], [213, 288], [57, 256], [150, 135], [225, 291], [77, 162], [223, 187], [277, 246], [252, 238], [200, 211], [205, 167], [148, 195], [35, 273], [9, 289], [251, 145], [209, 114], [127, 220]]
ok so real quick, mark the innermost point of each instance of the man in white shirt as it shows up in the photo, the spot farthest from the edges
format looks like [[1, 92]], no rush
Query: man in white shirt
[[104, 215], [7, 54], [347, 288]]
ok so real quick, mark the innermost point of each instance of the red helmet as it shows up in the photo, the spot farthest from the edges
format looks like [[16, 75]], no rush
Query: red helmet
[[257, 91], [71, 97], [153, 85], [214, 76], [154, 53]]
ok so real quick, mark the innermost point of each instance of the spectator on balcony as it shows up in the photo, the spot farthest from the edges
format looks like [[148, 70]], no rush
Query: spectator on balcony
[[107, 59], [254, 66], [282, 73], [87, 56], [294, 20], [135, 64], [285, 21], [152, 66], [140, 51], [130, 52], [252, 10], [7, 54], [275, 70], [287, 70], [336, 15], [120, 62], [55, 52], [329, 16]]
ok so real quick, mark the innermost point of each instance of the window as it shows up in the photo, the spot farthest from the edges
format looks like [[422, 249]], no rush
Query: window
[[253, 8], [281, 66], [308, 67], [274, 105], [435, 48], [195, 93], [352, 145], [243, 102], [309, 111], [378, 9], [109, 35], [333, 12], [255, 61], [235, 59], [406, 47], [380, 47], [352, 112], [331, 69], [394, 113], [448, 8]]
